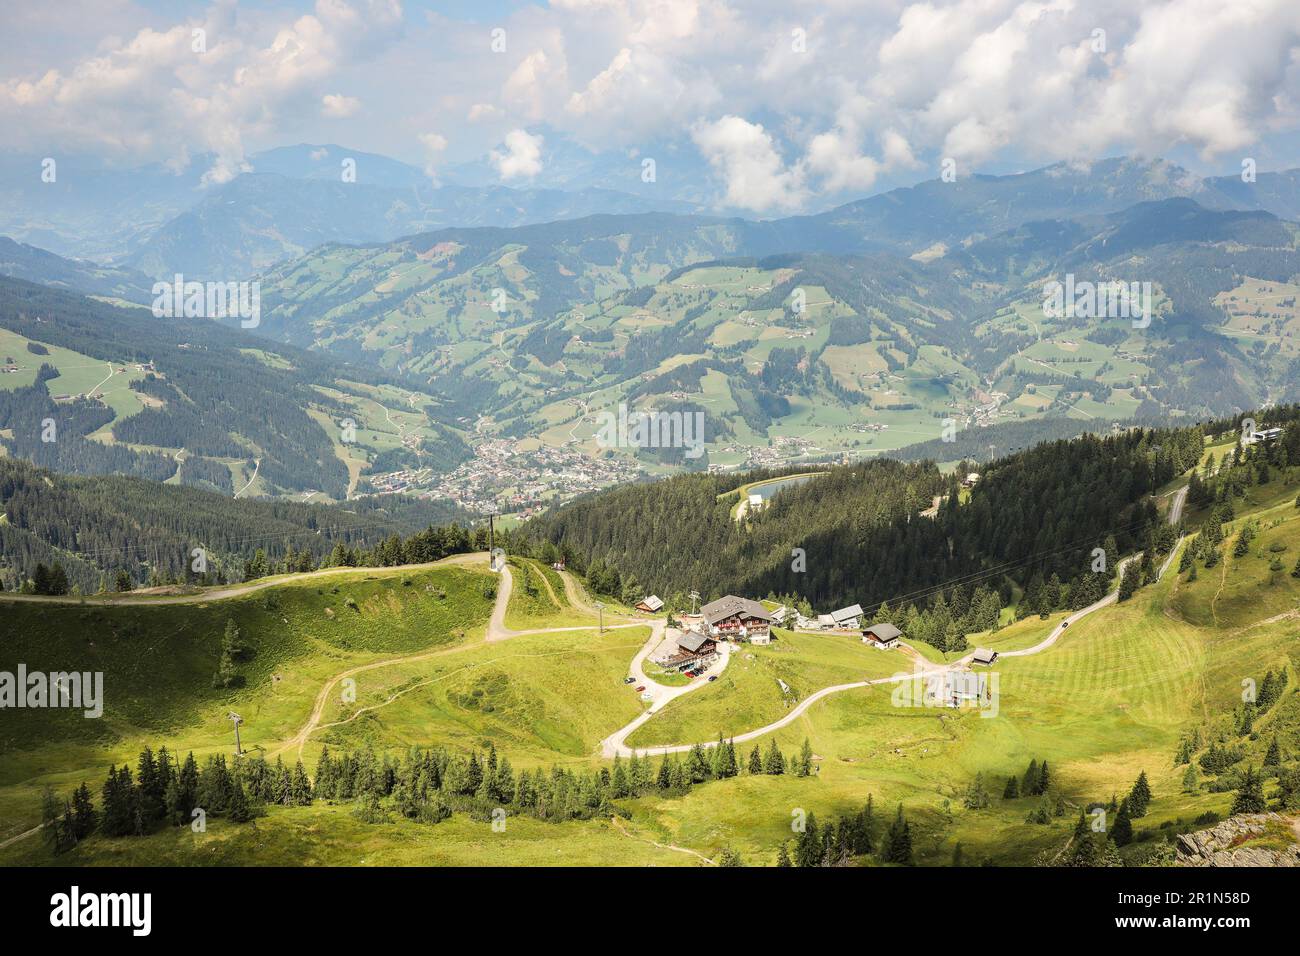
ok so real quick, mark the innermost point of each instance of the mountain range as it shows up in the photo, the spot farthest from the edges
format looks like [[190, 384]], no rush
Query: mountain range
[[891, 320]]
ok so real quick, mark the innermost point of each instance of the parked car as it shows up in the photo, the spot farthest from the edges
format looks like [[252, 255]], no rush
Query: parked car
[[641, 688], [712, 678], [629, 680]]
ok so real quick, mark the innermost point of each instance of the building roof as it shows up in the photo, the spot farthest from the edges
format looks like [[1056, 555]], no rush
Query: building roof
[[652, 601], [844, 613], [883, 632], [693, 640], [984, 656], [731, 605]]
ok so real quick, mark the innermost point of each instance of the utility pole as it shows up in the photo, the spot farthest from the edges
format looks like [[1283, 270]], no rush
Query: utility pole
[[239, 750], [600, 611], [695, 596]]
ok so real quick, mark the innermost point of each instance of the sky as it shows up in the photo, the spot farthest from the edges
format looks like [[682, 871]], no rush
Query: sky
[[781, 103]]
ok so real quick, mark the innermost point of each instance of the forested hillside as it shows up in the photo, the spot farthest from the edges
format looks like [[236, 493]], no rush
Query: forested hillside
[[96, 528], [194, 387], [1034, 518]]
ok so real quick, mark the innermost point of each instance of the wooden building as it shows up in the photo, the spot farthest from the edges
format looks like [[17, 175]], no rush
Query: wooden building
[[883, 636], [737, 618]]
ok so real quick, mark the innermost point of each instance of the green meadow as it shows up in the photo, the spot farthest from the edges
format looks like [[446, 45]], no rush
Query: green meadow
[[397, 659]]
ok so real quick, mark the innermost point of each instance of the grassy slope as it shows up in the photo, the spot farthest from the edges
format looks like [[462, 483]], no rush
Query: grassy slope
[[1112, 698]]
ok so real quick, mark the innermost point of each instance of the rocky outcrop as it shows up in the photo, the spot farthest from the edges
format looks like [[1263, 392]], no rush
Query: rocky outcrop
[[1221, 844]]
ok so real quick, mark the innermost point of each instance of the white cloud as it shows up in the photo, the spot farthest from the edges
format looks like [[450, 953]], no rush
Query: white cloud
[[521, 158], [481, 112], [883, 86], [755, 175], [435, 144], [155, 96], [835, 158], [337, 106], [538, 81]]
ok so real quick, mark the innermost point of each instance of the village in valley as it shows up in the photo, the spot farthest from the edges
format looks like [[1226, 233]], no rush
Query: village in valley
[[515, 475]]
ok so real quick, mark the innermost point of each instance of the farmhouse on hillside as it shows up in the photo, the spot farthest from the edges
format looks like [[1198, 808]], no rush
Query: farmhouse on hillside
[[650, 604], [737, 618], [847, 616], [882, 636], [693, 649], [970, 480], [984, 656]]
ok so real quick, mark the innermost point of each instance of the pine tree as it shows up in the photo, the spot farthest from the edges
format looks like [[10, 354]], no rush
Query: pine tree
[[898, 843], [1191, 782], [239, 810], [1274, 756], [1029, 782], [782, 856], [755, 760], [50, 810], [804, 765], [83, 812], [1250, 797], [773, 763], [1012, 790], [807, 848], [729, 857], [866, 829], [1122, 829], [1139, 797]]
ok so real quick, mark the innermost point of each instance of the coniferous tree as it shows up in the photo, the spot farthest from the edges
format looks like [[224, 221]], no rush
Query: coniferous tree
[[773, 762], [1121, 831], [1250, 796], [1029, 783], [1139, 797], [898, 842]]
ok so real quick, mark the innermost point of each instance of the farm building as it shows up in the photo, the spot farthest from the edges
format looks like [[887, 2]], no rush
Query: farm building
[[779, 615], [650, 604], [984, 656], [847, 616], [1265, 435], [883, 636], [692, 648], [737, 618], [970, 480]]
